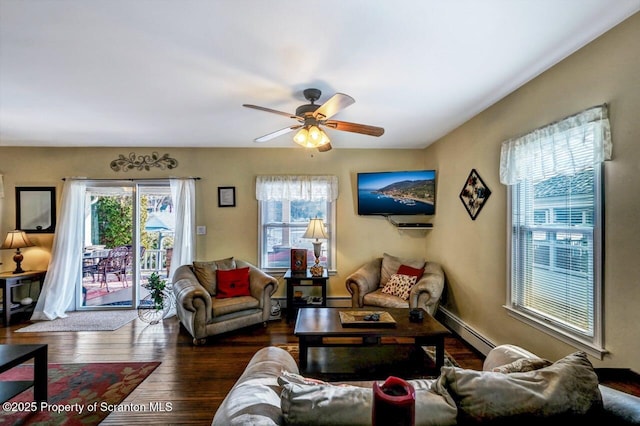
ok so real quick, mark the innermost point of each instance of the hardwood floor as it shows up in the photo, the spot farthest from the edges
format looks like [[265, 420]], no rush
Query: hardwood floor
[[194, 379]]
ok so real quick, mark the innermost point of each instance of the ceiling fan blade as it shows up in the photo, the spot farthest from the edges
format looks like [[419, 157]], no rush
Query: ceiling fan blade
[[277, 133], [324, 148], [331, 107], [354, 127], [286, 114]]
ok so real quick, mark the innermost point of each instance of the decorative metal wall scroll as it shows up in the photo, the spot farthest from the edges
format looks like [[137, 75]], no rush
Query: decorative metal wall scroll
[[143, 162], [474, 194]]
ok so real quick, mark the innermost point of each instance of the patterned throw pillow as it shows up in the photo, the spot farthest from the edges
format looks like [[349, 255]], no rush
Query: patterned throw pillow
[[400, 285]]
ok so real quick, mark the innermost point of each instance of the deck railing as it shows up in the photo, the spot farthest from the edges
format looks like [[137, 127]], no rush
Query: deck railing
[[154, 260]]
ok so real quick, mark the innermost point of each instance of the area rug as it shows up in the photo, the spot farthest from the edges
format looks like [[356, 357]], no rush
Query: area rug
[[84, 321], [79, 394]]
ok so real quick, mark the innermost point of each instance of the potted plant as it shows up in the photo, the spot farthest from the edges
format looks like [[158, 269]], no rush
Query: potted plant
[[156, 287], [157, 303]]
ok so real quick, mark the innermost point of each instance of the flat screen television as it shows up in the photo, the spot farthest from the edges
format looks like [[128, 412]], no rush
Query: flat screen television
[[411, 192]]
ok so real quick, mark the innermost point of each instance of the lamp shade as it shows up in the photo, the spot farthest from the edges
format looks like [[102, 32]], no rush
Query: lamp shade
[[316, 230], [16, 239]]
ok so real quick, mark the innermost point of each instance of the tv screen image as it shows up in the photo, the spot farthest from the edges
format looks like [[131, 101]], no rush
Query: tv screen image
[[411, 192]]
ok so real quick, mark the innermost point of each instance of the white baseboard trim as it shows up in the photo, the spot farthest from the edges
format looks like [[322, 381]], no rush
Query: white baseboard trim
[[468, 334]]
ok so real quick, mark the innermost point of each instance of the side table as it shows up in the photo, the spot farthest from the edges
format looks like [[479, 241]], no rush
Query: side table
[[302, 282], [8, 281]]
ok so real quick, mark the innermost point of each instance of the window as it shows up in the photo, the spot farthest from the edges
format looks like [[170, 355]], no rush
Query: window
[[286, 204], [555, 227]]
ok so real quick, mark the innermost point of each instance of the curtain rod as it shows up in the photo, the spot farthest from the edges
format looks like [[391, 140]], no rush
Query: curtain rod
[[135, 180]]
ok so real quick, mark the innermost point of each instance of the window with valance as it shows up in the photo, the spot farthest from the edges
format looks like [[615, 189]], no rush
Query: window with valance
[[555, 226], [286, 204]]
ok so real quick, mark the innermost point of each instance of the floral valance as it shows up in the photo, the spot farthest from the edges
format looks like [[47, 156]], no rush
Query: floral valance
[[297, 187], [566, 147]]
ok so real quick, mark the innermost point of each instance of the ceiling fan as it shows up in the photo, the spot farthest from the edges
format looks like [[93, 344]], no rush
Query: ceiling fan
[[313, 117]]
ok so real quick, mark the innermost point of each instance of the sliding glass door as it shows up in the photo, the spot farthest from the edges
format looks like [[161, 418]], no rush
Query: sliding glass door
[[128, 235]]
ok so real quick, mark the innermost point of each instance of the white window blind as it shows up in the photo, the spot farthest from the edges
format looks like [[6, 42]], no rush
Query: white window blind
[[555, 224]]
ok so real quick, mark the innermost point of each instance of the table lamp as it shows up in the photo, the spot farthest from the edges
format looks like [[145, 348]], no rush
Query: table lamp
[[316, 230], [16, 240]]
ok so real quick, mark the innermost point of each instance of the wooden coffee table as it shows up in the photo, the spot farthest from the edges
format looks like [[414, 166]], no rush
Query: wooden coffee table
[[319, 327]]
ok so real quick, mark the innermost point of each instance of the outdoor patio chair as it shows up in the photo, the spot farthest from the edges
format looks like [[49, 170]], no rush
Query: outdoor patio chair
[[116, 263]]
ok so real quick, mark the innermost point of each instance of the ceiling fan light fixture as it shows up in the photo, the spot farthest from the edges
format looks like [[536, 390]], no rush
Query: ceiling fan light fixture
[[311, 137], [315, 134], [324, 139], [311, 116], [301, 137]]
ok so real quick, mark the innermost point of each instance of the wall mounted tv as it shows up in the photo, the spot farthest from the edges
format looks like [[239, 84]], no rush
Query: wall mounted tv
[[411, 192]]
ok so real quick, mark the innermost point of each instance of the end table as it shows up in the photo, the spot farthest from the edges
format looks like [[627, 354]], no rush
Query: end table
[[8, 281], [302, 282]]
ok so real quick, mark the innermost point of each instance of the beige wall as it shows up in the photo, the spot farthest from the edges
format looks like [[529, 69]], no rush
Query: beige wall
[[230, 231], [473, 253]]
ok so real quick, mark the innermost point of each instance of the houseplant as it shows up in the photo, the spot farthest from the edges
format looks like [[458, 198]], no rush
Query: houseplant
[[157, 304]]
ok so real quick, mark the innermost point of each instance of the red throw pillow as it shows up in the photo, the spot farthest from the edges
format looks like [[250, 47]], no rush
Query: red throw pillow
[[232, 283], [408, 270]]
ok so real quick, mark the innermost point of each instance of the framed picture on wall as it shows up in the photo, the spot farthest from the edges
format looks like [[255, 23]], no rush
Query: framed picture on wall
[[474, 194], [226, 196]]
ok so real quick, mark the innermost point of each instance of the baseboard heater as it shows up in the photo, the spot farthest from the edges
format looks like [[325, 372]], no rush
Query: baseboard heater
[[466, 333]]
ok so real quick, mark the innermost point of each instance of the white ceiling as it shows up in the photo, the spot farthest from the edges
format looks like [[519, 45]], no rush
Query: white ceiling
[[169, 73]]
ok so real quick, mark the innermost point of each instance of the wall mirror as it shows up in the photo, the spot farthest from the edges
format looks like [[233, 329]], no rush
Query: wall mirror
[[36, 209]]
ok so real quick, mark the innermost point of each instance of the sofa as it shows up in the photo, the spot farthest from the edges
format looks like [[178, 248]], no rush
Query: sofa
[[372, 284], [514, 387], [207, 306]]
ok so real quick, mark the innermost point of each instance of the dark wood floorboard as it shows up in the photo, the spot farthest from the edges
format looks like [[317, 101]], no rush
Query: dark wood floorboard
[[193, 379]]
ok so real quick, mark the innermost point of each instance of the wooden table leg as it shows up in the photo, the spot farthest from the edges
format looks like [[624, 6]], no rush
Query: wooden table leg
[[439, 352], [303, 349], [40, 379]]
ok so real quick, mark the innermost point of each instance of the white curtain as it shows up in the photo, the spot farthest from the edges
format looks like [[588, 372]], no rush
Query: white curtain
[[566, 147], [184, 199], [59, 287], [1, 201], [289, 187]]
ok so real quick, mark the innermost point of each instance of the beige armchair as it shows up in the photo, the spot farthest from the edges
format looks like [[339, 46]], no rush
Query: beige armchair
[[203, 314], [366, 284]]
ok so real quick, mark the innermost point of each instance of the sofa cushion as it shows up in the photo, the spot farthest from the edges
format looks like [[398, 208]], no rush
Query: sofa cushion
[[523, 365], [505, 354], [232, 283], [380, 299], [231, 305], [205, 272], [567, 387], [287, 378], [400, 285], [308, 402], [325, 404], [391, 264]]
